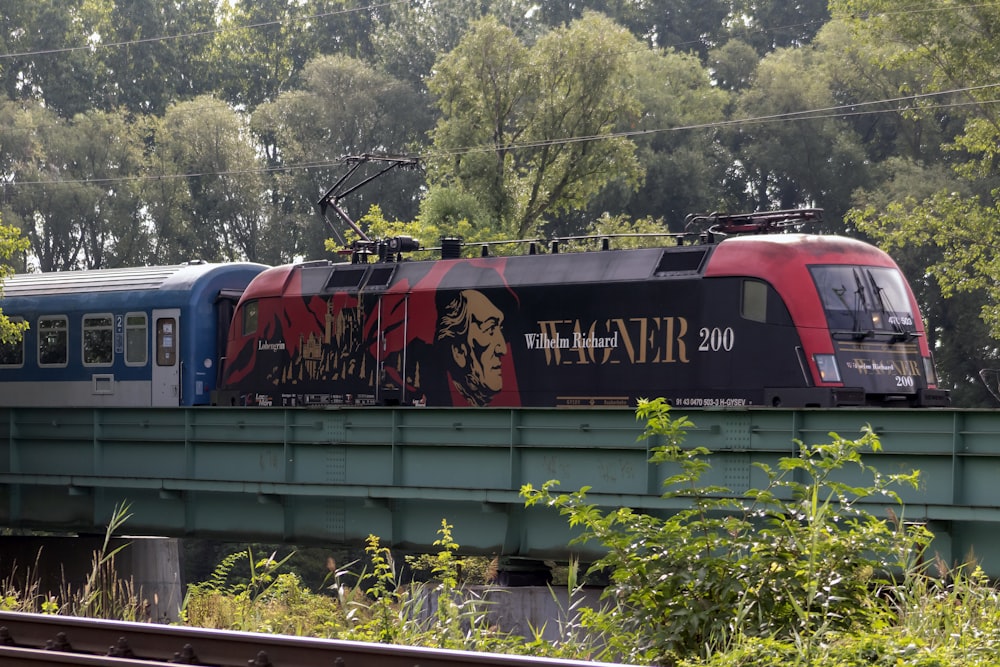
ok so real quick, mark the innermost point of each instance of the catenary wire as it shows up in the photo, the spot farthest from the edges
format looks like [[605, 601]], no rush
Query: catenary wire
[[815, 114]]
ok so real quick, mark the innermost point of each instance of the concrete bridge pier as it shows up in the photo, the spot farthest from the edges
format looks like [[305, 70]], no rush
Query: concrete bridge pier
[[58, 568]]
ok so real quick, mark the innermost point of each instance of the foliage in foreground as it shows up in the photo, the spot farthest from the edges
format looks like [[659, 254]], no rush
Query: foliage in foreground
[[11, 245], [795, 573], [104, 593], [798, 572], [377, 607]]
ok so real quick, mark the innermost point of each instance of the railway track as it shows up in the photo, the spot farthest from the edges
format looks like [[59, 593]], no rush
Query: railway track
[[34, 640]]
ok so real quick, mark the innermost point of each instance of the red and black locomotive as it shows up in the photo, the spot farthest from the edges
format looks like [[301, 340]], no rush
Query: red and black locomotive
[[754, 319]]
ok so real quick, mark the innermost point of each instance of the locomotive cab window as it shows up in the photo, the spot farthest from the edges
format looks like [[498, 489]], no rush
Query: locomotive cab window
[[53, 340], [864, 300], [12, 353], [753, 305], [98, 340], [249, 318], [136, 337]]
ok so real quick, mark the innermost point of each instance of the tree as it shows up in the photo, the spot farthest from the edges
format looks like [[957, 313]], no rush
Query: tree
[[859, 80], [951, 45], [684, 25], [774, 24], [677, 145], [345, 27], [147, 53], [72, 188], [20, 142], [343, 107], [528, 130], [411, 36], [261, 48], [953, 40], [11, 245], [48, 56], [787, 158], [223, 207], [733, 65], [104, 154]]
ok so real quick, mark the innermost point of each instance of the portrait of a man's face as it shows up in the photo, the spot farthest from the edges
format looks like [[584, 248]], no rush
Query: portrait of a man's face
[[472, 326]]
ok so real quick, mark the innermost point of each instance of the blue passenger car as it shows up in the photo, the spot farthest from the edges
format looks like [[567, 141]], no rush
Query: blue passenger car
[[146, 336]]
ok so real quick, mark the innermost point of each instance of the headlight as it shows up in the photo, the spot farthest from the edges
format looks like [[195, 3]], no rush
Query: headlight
[[827, 366]]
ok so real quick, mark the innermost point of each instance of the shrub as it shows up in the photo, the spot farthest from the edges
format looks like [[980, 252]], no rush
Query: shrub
[[790, 563]]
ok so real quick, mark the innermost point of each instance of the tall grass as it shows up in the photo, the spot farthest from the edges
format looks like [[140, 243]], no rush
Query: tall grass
[[104, 593], [377, 606]]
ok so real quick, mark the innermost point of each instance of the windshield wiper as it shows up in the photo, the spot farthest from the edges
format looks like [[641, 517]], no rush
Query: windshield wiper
[[902, 333], [860, 303]]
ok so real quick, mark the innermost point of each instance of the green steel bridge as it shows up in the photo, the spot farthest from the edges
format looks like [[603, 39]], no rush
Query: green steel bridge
[[333, 477]]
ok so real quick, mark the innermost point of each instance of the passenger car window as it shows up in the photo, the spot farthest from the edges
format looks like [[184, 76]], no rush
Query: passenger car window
[[136, 339], [12, 354], [166, 341], [98, 340], [53, 340]]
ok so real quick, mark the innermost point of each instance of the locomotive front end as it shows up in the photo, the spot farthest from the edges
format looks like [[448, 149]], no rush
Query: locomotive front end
[[877, 337], [862, 340]]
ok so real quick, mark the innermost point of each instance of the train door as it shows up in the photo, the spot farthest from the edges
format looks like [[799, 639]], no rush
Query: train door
[[390, 354], [166, 357]]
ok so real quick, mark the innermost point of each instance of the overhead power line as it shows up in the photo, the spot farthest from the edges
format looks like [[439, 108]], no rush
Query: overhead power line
[[93, 46], [842, 111]]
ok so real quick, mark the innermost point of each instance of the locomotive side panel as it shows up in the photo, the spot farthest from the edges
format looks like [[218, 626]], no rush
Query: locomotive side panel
[[483, 333], [684, 339]]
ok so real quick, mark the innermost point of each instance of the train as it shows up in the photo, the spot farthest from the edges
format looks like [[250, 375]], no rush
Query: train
[[130, 337], [742, 312]]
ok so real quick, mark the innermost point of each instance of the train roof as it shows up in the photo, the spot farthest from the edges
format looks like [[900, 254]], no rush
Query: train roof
[[322, 277], [175, 277], [771, 257]]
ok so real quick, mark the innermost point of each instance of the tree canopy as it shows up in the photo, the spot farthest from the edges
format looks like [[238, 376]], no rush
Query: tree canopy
[[529, 129]]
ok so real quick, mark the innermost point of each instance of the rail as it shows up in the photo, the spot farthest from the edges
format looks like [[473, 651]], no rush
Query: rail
[[34, 640]]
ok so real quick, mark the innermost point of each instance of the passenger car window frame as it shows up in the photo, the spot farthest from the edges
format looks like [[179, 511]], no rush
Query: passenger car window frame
[[88, 329], [145, 338], [20, 345], [41, 340]]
